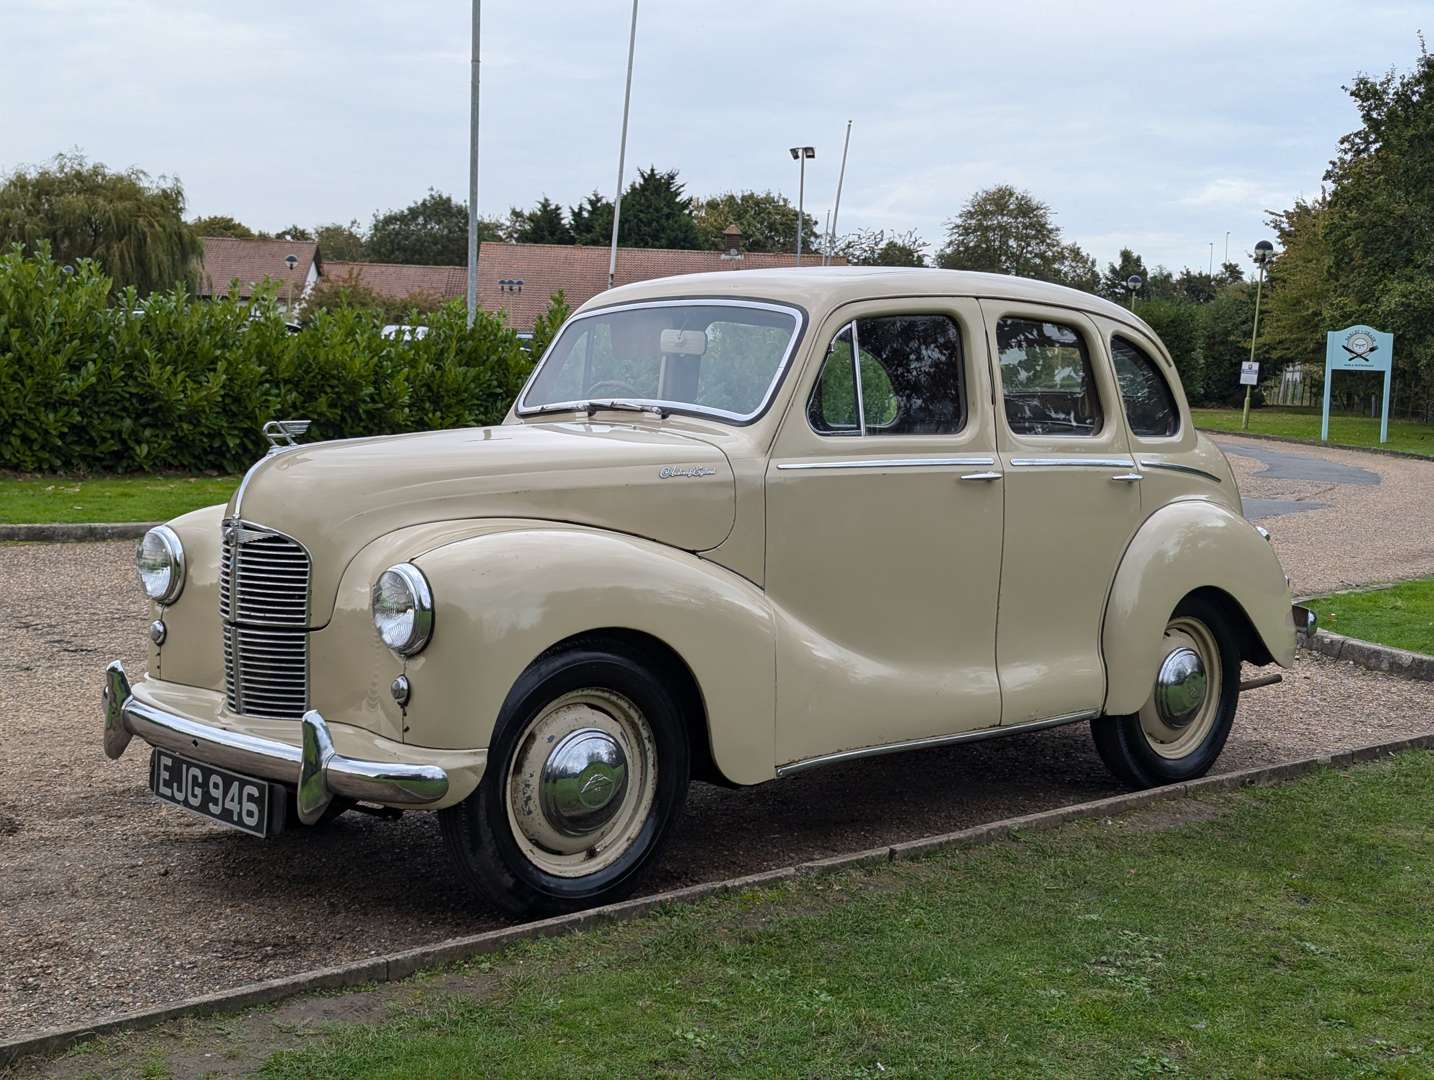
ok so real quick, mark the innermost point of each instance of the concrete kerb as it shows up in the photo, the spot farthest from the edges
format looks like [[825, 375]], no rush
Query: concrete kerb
[[454, 950], [1368, 654], [121, 530], [1317, 444]]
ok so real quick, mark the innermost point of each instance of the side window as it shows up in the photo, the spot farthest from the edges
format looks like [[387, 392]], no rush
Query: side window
[[1149, 404], [912, 379], [1047, 378]]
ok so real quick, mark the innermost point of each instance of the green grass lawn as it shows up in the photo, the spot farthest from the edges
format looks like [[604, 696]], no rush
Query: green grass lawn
[[1401, 615], [1280, 932], [1406, 435], [60, 499]]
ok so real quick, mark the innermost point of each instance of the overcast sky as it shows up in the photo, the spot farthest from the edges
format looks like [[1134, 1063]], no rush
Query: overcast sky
[[1155, 125]]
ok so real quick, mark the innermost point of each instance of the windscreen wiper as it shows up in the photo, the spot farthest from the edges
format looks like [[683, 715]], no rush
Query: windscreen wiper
[[591, 407]]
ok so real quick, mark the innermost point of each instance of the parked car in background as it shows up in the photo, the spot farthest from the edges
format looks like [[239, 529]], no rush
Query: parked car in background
[[736, 526]]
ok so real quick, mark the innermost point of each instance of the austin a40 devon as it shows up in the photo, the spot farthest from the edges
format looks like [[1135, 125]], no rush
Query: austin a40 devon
[[736, 525]]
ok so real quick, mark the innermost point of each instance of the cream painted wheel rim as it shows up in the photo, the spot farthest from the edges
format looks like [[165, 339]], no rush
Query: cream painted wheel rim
[[1185, 701], [582, 782]]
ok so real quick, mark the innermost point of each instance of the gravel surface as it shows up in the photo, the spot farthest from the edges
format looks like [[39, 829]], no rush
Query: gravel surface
[[1362, 533], [113, 902]]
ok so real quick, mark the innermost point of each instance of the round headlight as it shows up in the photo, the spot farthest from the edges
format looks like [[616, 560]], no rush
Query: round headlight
[[160, 561], [403, 609]]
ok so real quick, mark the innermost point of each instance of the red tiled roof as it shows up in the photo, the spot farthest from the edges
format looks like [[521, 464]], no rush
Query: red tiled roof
[[579, 272], [251, 261], [399, 281]]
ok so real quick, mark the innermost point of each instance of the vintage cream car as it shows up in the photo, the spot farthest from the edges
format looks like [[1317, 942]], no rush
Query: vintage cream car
[[736, 525]]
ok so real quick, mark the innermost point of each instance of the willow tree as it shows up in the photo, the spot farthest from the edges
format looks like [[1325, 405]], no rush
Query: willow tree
[[131, 225]]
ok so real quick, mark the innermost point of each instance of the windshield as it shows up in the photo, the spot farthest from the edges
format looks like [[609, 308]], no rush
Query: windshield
[[710, 356]]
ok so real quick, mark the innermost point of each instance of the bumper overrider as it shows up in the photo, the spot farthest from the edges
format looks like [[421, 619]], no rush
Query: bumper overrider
[[314, 768]]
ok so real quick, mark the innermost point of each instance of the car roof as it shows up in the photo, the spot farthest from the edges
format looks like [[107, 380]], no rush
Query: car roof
[[820, 288]]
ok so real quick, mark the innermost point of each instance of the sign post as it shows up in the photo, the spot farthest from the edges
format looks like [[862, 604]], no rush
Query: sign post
[[1358, 348], [1249, 373]]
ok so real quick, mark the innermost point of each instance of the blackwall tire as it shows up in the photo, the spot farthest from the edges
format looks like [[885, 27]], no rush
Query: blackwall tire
[[587, 771], [1174, 738]]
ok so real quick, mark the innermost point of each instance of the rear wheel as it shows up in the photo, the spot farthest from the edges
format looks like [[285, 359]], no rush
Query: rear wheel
[[587, 770], [1182, 727]]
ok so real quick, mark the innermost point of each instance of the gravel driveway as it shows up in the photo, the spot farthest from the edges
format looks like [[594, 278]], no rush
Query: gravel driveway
[[1339, 518], [112, 902]]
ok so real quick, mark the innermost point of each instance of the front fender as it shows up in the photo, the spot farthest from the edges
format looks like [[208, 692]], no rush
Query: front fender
[[508, 593], [1184, 546]]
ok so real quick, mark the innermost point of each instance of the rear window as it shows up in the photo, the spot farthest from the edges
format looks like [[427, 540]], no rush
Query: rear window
[[1149, 405], [1047, 378]]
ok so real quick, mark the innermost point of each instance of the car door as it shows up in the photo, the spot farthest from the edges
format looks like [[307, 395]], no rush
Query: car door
[[1072, 505], [884, 533], [1175, 462]]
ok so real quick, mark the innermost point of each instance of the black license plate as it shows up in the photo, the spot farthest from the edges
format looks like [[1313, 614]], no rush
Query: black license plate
[[241, 802]]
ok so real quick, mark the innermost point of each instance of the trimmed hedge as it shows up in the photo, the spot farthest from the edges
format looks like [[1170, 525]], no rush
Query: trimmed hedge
[[92, 383]]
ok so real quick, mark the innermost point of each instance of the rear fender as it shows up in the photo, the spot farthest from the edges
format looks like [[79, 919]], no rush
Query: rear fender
[[1184, 546]]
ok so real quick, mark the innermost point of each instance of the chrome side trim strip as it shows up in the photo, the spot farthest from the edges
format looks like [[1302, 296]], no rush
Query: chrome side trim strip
[[935, 740], [886, 463], [1074, 462], [1175, 466]]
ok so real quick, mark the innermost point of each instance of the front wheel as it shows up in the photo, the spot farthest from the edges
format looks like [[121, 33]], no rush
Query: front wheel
[[587, 770], [1182, 727]]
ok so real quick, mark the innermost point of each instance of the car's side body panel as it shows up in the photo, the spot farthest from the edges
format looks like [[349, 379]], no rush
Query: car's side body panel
[[883, 563], [514, 589], [1190, 544]]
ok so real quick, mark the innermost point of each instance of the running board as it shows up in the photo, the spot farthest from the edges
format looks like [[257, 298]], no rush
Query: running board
[[934, 740]]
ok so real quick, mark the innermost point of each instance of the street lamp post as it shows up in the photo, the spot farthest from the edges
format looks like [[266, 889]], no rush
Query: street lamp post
[[1264, 252], [800, 154], [1133, 283]]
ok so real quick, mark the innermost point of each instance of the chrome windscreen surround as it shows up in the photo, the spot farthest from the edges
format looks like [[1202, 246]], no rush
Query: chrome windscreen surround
[[264, 607]]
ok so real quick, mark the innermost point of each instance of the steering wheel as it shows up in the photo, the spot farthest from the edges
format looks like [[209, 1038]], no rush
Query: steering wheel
[[627, 389]]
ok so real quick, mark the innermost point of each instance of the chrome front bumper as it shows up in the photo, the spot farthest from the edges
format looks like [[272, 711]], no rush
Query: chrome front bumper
[[314, 768], [1305, 620]]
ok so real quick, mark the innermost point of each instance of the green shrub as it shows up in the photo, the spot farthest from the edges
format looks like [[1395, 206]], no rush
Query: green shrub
[[90, 384]]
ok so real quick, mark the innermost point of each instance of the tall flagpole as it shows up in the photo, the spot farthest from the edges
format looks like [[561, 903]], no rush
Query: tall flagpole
[[473, 175], [841, 176], [622, 149]]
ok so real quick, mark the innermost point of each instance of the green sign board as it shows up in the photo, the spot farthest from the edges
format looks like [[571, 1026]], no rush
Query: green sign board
[[1358, 348]]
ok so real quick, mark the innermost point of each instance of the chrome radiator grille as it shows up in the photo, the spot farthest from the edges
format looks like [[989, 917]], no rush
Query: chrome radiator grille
[[264, 605]]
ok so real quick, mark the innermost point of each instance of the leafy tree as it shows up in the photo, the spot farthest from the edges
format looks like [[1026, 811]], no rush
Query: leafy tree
[[1113, 281], [132, 226], [221, 225], [1377, 226], [656, 214], [768, 221], [544, 224], [873, 247], [294, 233], [342, 243], [432, 231], [1002, 230], [591, 220], [1179, 325], [1076, 268], [1301, 286]]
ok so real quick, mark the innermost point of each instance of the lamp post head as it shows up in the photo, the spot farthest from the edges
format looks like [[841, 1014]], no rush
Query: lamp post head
[[1134, 282], [1264, 252], [799, 152], [292, 260]]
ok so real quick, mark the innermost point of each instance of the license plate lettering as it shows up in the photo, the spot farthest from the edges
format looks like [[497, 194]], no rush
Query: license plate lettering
[[243, 802]]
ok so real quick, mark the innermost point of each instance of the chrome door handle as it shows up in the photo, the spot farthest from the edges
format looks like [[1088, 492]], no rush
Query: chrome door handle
[[1127, 477], [981, 476]]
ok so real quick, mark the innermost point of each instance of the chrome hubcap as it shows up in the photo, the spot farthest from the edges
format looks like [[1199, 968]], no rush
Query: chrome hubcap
[[1184, 704], [583, 782], [1180, 687]]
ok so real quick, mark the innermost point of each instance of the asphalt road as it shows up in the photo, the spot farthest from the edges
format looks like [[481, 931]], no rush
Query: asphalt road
[[113, 902]]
